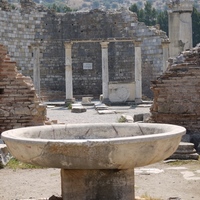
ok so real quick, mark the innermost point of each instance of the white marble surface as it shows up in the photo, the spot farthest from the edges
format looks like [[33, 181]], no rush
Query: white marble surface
[[94, 146]]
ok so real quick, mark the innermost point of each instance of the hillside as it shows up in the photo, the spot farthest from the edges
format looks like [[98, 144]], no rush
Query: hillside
[[116, 4]]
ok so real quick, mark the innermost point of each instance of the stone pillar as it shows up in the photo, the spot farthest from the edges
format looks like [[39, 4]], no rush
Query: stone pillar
[[105, 72], [138, 73], [165, 46], [36, 67], [68, 72], [97, 184], [180, 26]]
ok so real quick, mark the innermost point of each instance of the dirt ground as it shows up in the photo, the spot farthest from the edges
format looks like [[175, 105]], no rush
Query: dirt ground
[[161, 180]]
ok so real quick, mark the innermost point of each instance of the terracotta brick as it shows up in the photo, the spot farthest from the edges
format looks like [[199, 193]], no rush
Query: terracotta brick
[[18, 98], [177, 93]]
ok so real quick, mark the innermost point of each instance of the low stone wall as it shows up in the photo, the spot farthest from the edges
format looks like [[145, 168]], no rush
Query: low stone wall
[[177, 94], [19, 104]]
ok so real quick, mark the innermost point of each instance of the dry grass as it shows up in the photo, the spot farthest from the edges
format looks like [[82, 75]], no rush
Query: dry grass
[[16, 164]]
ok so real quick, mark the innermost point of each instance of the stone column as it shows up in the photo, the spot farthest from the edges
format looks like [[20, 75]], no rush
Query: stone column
[[105, 72], [138, 72], [36, 67], [165, 46], [180, 26], [100, 184], [68, 72]]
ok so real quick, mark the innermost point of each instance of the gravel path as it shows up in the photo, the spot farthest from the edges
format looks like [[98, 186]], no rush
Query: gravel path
[[64, 115]]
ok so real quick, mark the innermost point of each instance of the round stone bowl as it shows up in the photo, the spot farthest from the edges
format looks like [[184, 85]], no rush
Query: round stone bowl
[[94, 146], [97, 161]]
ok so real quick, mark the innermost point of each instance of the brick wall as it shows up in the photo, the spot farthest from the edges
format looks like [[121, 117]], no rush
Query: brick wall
[[177, 93], [19, 104]]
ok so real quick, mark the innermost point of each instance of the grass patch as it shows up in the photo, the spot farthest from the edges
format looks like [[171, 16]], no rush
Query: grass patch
[[183, 162], [122, 119], [69, 106], [16, 164]]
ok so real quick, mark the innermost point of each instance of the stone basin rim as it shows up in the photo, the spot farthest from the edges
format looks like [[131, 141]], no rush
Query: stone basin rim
[[177, 131]]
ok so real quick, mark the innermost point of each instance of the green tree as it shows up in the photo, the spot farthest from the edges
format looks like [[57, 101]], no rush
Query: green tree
[[141, 15], [61, 8], [134, 8], [162, 19], [150, 14]]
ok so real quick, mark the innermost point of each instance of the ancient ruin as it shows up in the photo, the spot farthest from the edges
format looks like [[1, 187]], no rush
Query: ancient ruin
[[64, 53], [19, 103], [177, 94], [180, 25]]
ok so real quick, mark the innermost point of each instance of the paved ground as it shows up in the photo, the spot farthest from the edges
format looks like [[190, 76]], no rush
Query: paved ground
[[160, 180], [62, 114]]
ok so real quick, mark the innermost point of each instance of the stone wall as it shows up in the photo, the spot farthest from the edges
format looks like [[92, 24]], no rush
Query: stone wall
[[177, 93], [19, 104], [31, 25]]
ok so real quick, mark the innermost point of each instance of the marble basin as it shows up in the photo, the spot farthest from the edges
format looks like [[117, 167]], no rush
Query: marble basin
[[96, 159]]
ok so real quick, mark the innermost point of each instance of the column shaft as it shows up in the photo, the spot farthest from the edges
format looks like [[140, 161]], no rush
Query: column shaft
[[68, 71], [138, 73], [36, 68], [165, 46], [105, 72]]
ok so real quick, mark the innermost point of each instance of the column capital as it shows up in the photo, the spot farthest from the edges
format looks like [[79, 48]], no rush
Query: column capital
[[68, 44], [137, 43], [34, 45], [104, 45], [165, 43]]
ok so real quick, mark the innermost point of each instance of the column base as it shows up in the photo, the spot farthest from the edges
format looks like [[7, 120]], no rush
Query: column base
[[138, 100], [106, 101], [105, 184], [69, 101]]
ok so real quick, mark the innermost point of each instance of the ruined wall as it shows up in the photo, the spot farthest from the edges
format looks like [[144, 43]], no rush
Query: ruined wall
[[31, 24], [19, 104], [177, 93]]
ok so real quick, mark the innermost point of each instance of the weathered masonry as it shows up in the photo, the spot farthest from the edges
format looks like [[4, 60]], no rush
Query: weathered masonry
[[19, 104], [177, 93], [36, 38]]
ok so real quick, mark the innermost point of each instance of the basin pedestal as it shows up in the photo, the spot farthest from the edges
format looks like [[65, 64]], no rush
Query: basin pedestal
[[97, 161], [108, 184]]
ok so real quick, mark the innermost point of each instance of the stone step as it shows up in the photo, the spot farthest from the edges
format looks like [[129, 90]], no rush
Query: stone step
[[185, 151], [192, 156], [185, 146]]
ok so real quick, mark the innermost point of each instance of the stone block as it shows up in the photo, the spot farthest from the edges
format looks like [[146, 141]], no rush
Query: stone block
[[101, 106], [4, 154], [86, 101], [138, 117], [78, 108]]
